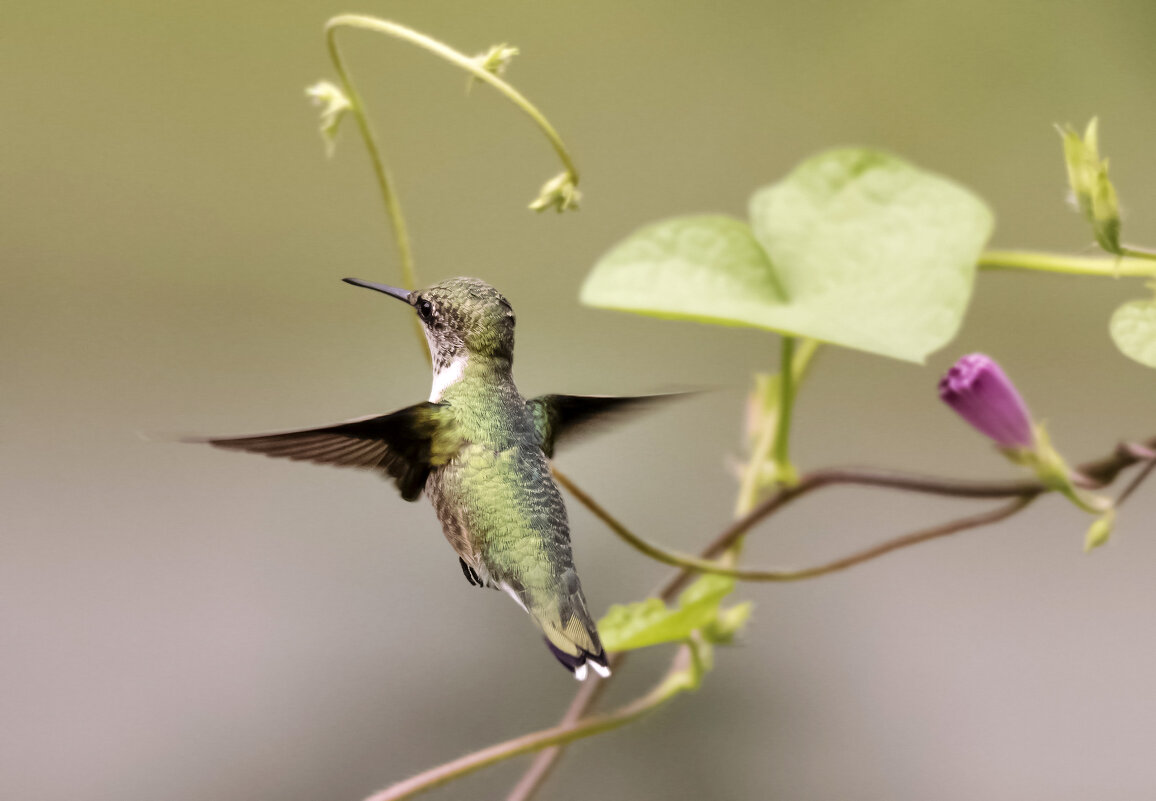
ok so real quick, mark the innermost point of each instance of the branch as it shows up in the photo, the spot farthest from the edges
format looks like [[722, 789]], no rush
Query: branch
[[943, 530], [1102, 472], [543, 765], [655, 552], [1090, 475], [691, 565], [1137, 481], [1094, 474], [677, 680]]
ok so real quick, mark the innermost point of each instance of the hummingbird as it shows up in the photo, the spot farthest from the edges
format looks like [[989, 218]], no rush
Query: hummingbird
[[480, 452]]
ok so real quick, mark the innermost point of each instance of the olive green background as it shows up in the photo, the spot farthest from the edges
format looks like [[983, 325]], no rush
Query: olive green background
[[184, 624]]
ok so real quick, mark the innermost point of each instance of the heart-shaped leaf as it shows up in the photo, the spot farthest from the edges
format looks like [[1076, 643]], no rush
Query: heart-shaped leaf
[[710, 269], [1133, 328], [854, 247]]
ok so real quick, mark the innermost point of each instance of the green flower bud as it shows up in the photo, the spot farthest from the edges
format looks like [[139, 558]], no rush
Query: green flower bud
[[1093, 192], [494, 61], [334, 104], [497, 58], [559, 193], [1100, 531]]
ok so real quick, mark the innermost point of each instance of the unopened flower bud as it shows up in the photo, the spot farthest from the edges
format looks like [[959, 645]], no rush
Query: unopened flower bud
[[494, 61], [1100, 531], [334, 104], [982, 394], [559, 193]]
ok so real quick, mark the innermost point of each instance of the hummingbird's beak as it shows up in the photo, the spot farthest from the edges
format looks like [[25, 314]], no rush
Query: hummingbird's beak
[[392, 291]]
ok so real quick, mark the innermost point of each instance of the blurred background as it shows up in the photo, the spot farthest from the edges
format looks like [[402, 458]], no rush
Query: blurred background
[[187, 624]]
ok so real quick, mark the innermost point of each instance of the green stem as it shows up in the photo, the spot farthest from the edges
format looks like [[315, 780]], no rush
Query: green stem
[[1095, 505], [751, 482], [658, 553], [380, 171], [1139, 253], [676, 681], [1131, 266], [466, 63], [781, 451]]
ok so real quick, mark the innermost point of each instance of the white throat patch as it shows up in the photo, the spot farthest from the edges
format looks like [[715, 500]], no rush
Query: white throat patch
[[446, 377]]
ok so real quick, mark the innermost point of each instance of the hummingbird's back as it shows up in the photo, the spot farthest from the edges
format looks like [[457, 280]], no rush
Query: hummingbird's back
[[502, 512]]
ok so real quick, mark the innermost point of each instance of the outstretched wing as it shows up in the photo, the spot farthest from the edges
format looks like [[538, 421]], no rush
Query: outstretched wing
[[403, 445], [559, 417]]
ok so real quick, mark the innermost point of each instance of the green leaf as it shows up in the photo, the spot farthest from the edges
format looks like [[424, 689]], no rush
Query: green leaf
[[1133, 328], [707, 590], [651, 622], [854, 247], [690, 677], [729, 623], [708, 269], [873, 252], [628, 626]]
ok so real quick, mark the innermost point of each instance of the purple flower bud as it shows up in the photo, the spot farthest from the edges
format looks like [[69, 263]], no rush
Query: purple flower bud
[[977, 389]]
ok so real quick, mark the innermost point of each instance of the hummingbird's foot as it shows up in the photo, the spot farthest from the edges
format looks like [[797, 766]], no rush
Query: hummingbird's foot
[[470, 574]]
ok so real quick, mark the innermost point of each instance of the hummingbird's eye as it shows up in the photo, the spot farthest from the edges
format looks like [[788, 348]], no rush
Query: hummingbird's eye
[[424, 309]]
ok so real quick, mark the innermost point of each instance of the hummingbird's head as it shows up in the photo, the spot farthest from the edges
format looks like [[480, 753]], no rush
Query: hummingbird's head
[[462, 317]]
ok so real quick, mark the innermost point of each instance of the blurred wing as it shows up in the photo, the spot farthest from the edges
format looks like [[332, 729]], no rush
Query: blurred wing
[[401, 445], [559, 417]]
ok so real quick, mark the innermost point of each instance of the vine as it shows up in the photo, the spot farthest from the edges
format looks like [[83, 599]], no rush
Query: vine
[[789, 270]]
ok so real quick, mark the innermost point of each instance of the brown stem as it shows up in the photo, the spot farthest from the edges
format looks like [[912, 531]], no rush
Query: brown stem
[[544, 762], [1094, 474], [674, 682], [1138, 480], [943, 530], [693, 565], [1104, 471]]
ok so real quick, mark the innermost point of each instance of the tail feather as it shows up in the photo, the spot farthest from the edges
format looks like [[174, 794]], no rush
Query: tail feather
[[559, 610], [576, 646]]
